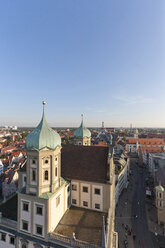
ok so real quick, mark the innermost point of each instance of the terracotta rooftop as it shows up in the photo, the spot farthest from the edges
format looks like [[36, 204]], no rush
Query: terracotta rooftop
[[146, 141], [152, 149], [101, 143], [87, 163]]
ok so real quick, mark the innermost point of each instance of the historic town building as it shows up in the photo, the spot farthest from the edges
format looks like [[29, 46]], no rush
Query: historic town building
[[63, 195]]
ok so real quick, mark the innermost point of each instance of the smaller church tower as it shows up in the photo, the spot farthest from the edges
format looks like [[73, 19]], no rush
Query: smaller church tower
[[136, 134], [82, 135]]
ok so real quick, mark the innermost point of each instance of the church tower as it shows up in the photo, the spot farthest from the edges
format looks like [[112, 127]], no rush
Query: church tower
[[43, 146], [46, 197], [82, 135], [136, 134]]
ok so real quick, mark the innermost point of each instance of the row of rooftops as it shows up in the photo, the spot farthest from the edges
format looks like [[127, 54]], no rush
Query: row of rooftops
[[152, 149], [146, 141]]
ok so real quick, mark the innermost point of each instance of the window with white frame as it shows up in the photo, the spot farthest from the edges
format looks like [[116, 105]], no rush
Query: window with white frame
[[97, 191], [97, 206], [39, 210], [24, 246], [12, 240], [3, 237], [85, 203], [74, 187], [39, 229], [33, 175], [74, 201], [56, 172], [25, 225], [85, 189], [25, 206], [46, 176]]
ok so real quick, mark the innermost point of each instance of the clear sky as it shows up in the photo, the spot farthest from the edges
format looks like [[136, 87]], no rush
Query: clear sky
[[102, 58]]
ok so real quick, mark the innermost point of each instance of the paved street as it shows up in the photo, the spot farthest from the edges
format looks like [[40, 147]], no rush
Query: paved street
[[130, 205]]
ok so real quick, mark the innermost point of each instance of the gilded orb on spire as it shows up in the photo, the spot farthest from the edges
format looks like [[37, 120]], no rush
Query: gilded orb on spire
[[43, 102]]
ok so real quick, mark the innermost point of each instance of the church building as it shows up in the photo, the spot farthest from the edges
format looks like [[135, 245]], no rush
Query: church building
[[82, 135]]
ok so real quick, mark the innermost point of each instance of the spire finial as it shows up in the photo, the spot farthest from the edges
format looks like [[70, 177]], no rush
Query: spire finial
[[82, 117], [43, 102]]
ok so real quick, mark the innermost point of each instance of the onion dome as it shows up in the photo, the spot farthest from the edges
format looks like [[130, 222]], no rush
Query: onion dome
[[43, 136], [82, 131], [160, 188]]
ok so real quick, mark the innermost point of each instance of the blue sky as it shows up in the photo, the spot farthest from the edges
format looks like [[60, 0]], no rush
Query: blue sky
[[102, 58]]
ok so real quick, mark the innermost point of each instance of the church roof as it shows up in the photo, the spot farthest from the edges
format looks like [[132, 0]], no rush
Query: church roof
[[43, 136], [160, 188], [86, 163], [82, 131]]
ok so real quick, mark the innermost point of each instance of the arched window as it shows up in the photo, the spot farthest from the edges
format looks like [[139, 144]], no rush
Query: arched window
[[46, 175], [33, 175], [24, 246], [56, 171]]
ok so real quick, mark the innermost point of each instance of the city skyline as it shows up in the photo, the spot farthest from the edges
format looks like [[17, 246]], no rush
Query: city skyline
[[103, 59]]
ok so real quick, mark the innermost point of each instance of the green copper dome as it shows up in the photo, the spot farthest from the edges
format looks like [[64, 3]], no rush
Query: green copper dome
[[43, 136], [82, 131], [160, 188]]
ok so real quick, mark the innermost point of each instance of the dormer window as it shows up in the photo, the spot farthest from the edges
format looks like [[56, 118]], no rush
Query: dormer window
[[46, 175]]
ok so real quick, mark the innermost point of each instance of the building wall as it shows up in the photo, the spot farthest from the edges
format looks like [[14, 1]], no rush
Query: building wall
[[82, 141], [160, 204], [90, 197], [7, 242], [121, 181], [57, 208], [30, 216], [30, 244], [21, 179]]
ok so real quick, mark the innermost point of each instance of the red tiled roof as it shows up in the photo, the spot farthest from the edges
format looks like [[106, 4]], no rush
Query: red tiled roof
[[156, 135], [8, 148], [146, 141], [102, 143], [15, 154], [152, 149]]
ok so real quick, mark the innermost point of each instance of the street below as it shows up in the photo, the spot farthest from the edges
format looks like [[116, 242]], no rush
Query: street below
[[131, 218]]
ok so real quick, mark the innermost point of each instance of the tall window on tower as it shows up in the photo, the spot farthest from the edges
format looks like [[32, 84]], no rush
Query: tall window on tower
[[46, 175], [33, 175], [56, 171]]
